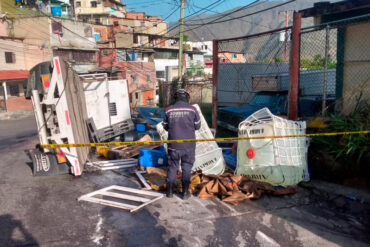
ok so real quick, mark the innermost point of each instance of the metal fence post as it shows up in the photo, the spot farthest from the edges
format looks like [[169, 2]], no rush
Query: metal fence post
[[214, 83], [324, 88], [294, 67]]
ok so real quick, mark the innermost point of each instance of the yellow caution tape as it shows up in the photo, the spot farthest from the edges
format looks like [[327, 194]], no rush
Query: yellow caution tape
[[197, 140]]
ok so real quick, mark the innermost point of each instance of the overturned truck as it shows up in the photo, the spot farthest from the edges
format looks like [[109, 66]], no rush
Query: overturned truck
[[74, 108]]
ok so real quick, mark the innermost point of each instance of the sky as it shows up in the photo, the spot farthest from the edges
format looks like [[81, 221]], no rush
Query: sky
[[165, 7]]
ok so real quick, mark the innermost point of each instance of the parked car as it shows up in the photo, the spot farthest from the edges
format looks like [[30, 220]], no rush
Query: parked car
[[277, 102], [230, 117]]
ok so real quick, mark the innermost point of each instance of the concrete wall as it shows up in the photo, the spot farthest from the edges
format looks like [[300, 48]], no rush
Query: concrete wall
[[152, 28], [16, 47], [160, 64], [3, 31], [26, 56], [356, 72], [34, 55], [124, 40], [40, 27], [73, 34]]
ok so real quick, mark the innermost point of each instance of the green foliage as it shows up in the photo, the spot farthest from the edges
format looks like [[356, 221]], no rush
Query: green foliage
[[195, 70], [351, 151], [275, 60], [317, 63], [279, 60]]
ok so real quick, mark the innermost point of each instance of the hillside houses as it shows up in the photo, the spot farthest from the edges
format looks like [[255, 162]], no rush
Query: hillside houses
[[93, 36]]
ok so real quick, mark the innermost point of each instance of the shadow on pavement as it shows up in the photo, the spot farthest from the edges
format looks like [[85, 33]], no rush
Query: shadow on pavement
[[13, 233]]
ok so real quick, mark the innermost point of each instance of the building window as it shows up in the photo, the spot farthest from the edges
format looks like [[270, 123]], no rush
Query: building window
[[78, 4], [9, 57], [159, 74], [134, 79], [136, 39], [88, 32], [56, 27], [149, 78], [14, 90], [94, 4]]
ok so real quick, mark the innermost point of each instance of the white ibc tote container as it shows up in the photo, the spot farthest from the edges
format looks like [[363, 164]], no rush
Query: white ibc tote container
[[208, 156], [278, 161]]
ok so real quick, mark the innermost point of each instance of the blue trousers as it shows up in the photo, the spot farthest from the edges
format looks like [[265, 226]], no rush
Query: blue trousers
[[187, 158]]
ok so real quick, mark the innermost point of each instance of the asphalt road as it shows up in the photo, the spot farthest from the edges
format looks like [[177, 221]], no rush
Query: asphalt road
[[43, 211]]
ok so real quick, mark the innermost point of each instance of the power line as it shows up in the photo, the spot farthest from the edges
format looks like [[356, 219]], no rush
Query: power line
[[229, 17], [217, 20]]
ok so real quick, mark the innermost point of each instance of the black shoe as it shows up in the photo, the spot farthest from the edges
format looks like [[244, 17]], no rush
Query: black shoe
[[169, 192], [185, 189]]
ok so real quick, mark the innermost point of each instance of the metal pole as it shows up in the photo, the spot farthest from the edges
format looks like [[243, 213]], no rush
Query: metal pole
[[294, 67], [286, 36], [181, 40], [324, 88], [214, 83], [5, 95]]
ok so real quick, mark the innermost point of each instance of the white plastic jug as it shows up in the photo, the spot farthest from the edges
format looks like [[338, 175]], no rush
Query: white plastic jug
[[278, 161]]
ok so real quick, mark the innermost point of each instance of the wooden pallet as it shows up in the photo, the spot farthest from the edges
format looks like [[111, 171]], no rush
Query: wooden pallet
[[128, 151]]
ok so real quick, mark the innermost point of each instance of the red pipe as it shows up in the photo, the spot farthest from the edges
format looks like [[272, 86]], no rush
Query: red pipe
[[214, 83], [294, 67]]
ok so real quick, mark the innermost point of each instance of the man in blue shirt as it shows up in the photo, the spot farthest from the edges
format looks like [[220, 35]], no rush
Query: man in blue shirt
[[181, 120]]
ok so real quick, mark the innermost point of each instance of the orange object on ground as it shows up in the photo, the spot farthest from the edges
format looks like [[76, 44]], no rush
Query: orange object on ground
[[234, 189]]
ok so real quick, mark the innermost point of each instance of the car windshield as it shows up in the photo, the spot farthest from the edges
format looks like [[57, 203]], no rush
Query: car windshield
[[151, 112], [263, 99]]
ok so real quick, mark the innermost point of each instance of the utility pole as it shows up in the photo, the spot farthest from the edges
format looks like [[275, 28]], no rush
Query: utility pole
[[286, 34], [181, 39]]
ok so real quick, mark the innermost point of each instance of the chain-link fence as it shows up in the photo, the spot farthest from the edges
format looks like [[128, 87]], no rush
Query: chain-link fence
[[335, 67], [252, 64], [200, 92], [334, 70]]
